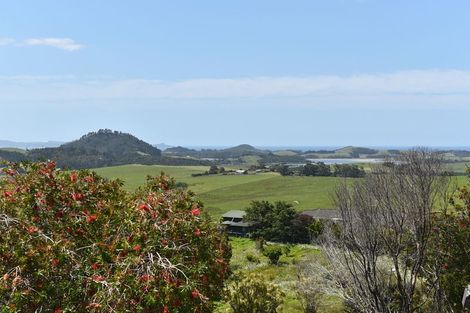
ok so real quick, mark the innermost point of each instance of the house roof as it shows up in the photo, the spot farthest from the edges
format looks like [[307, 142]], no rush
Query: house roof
[[330, 214], [234, 214]]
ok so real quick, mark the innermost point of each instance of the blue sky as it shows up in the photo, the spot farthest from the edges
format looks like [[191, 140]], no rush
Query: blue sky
[[324, 72]]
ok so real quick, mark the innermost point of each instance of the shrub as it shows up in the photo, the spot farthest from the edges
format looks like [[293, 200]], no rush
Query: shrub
[[75, 242], [252, 258], [252, 294], [273, 253]]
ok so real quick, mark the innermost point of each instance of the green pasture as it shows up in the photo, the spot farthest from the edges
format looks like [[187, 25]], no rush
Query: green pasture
[[221, 193]]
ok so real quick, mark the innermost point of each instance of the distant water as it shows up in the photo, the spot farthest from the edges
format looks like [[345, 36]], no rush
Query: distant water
[[331, 148], [345, 161]]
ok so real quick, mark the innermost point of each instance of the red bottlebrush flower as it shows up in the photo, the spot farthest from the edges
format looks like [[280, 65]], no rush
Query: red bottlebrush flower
[[97, 278], [195, 211], [197, 232], [32, 229], [8, 194], [55, 262], [144, 207], [88, 179], [165, 309], [59, 214], [73, 177], [195, 294], [51, 165], [145, 278], [95, 266], [58, 310], [91, 218], [137, 248], [77, 196]]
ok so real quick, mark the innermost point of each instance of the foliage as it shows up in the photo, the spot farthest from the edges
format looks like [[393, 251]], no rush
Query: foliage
[[348, 170], [75, 242], [272, 221], [252, 258], [251, 294], [315, 169], [450, 249], [273, 253], [315, 229]]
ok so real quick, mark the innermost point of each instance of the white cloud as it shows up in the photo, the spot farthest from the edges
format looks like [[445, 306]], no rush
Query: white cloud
[[439, 88], [6, 41], [60, 43]]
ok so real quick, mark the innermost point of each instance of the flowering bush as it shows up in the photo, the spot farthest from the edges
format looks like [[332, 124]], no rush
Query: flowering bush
[[76, 242], [450, 250]]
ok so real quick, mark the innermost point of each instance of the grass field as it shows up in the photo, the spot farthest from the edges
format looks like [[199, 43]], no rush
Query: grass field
[[222, 193], [233, 192]]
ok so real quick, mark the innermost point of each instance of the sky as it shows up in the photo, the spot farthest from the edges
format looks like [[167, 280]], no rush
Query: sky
[[267, 73]]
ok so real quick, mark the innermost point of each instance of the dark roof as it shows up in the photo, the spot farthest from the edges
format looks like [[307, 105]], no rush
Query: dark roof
[[234, 214], [330, 214]]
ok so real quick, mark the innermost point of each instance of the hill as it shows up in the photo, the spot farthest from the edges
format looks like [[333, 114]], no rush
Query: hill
[[12, 154], [106, 148], [222, 154]]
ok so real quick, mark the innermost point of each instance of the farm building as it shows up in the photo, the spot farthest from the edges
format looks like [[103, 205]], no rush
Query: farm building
[[323, 214], [233, 222]]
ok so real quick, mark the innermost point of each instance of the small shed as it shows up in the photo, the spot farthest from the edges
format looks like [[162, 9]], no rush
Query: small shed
[[233, 222]]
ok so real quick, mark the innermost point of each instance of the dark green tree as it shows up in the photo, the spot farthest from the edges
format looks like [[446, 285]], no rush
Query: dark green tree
[[272, 221]]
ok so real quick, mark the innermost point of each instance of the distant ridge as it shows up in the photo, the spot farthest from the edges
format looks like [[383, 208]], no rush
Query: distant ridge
[[29, 145]]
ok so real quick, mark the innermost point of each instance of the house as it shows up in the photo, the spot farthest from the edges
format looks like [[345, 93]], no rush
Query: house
[[233, 223], [333, 215]]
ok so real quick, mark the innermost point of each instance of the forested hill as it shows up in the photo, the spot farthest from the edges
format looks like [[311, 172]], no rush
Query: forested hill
[[105, 148], [233, 152]]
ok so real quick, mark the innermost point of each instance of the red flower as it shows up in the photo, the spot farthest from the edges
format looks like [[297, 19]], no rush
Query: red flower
[[77, 196], [145, 278], [95, 266], [8, 194], [144, 207], [88, 179], [136, 248], [59, 214], [91, 218], [55, 262], [11, 172], [97, 278], [51, 165], [197, 232], [165, 309], [32, 229], [73, 177], [58, 310], [195, 294], [195, 211]]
